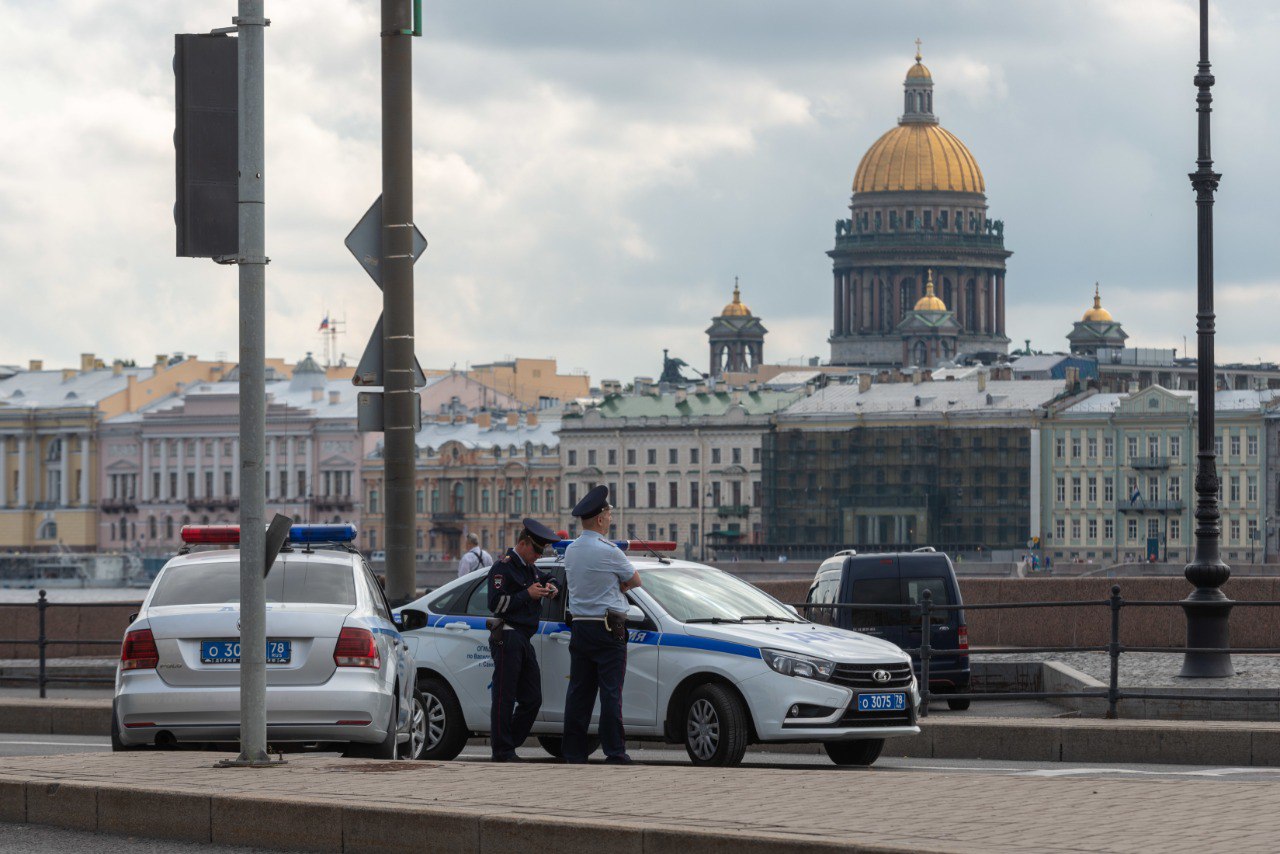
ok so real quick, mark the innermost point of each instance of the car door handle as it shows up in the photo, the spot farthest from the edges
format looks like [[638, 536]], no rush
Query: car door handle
[[563, 637], [942, 628], [457, 627]]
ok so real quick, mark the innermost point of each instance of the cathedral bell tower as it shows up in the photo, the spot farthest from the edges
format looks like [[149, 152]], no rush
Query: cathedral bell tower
[[736, 337]]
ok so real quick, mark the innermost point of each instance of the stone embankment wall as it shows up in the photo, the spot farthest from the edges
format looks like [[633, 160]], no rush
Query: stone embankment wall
[[1091, 626]]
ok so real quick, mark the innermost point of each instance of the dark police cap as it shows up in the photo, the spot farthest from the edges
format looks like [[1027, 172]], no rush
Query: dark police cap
[[539, 532], [592, 503]]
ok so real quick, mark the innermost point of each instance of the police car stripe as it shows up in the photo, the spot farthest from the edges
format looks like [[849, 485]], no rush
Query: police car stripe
[[709, 644]]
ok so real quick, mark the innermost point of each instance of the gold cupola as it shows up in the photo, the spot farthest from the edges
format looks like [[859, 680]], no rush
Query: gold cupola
[[930, 301], [736, 308], [1097, 313]]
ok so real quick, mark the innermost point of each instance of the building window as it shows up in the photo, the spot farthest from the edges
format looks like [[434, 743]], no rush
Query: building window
[[1235, 530], [1252, 446], [1175, 488], [693, 456], [573, 458], [1075, 489], [756, 493], [1217, 446], [1059, 448], [1153, 488], [435, 501], [484, 497], [673, 494], [631, 495], [613, 456], [502, 501], [755, 456], [1059, 530], [1175, 529], [591, 456], [1133, 447], [373, 501], [550, 500], [1131, 529], [1235, 489], [736, 456], [715, 494], [651, 456], [226, 484], [653, 494], [715, 456], [1251, 528], [1251, 490], [1060, 490], [1093, 530], [1153, 528], [1075, 530], [1175, 447], [1091, 448], [1093, 489], [1108, 529], [1108, 447], [693, 493], [533, 500], [673, 456], [1132, 493], [1235, 446], [1153, 445], [631, 456], [1075, 447], [573, 496], [517, 497]]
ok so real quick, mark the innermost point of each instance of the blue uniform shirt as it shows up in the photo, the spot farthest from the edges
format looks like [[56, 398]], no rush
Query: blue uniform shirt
[[595, 568]]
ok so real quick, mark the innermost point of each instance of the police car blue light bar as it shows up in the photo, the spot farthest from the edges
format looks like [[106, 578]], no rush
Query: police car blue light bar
[[322, 533], [628, 545]]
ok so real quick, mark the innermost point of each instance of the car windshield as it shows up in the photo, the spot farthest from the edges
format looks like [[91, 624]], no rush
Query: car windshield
[[703, 594], [216, 583]]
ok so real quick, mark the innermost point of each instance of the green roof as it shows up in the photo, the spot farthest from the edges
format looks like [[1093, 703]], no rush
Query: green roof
[[694, 405]]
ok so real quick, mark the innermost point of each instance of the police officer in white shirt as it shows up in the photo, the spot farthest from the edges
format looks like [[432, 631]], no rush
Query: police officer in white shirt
[[598, 574], [475, 558]]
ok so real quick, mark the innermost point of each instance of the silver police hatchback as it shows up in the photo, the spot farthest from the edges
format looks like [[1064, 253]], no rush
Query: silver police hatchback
[[337, 667]]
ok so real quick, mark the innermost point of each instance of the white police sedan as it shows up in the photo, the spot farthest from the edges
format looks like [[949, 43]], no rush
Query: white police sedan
[[712, 662], [337, 668]]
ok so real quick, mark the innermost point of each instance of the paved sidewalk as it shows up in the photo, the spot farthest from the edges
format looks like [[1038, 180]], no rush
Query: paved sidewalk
[[349, 805]]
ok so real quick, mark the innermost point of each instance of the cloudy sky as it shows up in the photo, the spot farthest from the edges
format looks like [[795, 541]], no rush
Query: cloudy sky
[[592, 175]]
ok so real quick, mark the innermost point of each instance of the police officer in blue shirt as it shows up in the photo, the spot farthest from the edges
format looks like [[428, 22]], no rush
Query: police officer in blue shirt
[[516, 591], [598, 574]]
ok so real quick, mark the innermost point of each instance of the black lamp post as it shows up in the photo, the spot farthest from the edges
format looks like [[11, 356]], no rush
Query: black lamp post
[[1208, 609]]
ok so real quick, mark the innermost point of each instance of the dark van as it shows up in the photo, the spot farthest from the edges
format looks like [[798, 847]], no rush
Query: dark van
[[899, 579]]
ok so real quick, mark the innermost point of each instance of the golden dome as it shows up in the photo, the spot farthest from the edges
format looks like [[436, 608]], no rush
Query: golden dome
[[736, 308], [930, 301], [918, 156], [918, 70], [1097, 312]]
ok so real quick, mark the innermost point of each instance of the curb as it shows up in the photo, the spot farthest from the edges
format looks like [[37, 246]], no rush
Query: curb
[[295, 824], [1237, 743]]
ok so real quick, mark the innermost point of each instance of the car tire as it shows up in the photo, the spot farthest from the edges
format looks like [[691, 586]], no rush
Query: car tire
[[554, 745], [864, 751], [716, 727], [957, 705], [417, 742], [385, 749], [118, 746], [446, 731]]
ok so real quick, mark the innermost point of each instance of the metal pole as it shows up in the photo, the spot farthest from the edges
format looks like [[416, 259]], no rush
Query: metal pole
[[1113, 685], [42, 605], [1208, 609], [926, 625], [399, 396], [253, 284]]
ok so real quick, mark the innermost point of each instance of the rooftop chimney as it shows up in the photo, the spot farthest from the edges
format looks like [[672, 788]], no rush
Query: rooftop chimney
[[317, 394], [86, 362], [531, 419], [335, 397], [915, 377], [161, 361], [753, 386], [513, 420], [1073, 378], [68, 373], [701, 388], [117, 368], [982, 379], [36, 365], [864, 383], [736, 397], [681, 396], [484, 420]]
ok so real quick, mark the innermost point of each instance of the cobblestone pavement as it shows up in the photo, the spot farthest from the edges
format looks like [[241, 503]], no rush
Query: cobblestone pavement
[[977, 813], [1156, 669]]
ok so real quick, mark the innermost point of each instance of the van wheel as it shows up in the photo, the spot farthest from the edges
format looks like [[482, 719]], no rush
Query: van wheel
[[957, 705], [864, 751], [715, 726], [446, 731], [554, 745]]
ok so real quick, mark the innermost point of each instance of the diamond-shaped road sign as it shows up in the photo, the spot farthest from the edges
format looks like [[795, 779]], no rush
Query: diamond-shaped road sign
[[365, 242]]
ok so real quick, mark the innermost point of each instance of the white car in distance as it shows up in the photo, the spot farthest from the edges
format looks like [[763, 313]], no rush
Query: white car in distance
[[712, 662]]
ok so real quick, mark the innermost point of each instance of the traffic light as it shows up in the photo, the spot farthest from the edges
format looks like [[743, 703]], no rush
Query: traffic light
[[207, 145]]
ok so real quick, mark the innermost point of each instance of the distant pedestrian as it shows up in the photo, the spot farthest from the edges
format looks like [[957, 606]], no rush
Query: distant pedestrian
[[475, 558], [599, 575]]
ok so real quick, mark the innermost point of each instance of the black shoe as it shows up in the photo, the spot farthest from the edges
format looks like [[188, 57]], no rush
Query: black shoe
[[511, 757], [624, 759]]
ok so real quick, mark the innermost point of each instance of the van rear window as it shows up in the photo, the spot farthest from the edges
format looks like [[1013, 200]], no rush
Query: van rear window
[[877, 591], [208, 584]]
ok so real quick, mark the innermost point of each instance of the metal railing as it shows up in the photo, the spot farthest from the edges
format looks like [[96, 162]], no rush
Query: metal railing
[[42, 642], [1112, 694]]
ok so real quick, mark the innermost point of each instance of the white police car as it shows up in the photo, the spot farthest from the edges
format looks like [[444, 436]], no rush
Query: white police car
[[337, 668], [712, 662]]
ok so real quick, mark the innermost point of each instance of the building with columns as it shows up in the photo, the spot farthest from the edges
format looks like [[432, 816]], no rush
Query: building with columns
[[1096, 330], [919, 203], [479, 475], [736, 338], [176, 462], [49, 450]]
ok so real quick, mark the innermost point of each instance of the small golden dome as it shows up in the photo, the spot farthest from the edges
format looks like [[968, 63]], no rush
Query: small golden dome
[[918, 71], [930, 301], [918, 156], [736, 308], [1097, 313]]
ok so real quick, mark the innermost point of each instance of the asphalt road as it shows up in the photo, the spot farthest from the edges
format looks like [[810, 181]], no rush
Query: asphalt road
[[38, 839], [34, 745]]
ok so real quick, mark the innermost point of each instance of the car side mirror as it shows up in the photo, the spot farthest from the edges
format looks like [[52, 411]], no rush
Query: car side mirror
[[635, 615], [411, 619], [793, 609]]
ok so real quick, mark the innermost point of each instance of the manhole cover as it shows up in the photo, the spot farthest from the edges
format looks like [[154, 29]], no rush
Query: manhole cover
[[382, 767]]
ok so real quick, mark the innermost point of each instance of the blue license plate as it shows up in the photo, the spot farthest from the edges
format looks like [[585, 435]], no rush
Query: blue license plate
[[894, 702], [228, 652]]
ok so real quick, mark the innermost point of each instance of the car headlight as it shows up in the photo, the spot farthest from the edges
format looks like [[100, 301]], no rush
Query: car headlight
[[794, 664]]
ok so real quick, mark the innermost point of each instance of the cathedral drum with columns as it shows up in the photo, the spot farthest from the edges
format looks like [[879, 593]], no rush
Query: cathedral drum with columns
[[919, 214]]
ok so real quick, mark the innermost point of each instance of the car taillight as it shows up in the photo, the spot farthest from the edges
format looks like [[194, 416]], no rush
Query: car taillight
[[964, 637], [355, 648], [138, 652]]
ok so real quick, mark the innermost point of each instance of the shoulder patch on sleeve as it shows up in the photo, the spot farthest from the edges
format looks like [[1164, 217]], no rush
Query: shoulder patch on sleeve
[[497, 582]]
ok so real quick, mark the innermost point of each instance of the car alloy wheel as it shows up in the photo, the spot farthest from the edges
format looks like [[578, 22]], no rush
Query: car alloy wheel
[[417, 728], [704, 729], [432, 721]]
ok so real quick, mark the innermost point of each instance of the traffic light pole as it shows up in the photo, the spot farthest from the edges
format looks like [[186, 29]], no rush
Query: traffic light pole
[[399, 396], [252, 263]]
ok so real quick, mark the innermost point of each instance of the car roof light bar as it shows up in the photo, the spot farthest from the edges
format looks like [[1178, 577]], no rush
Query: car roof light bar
[[331, 533]]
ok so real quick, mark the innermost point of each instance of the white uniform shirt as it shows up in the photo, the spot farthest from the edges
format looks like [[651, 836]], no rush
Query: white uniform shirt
[[474, 559], [595, 568]]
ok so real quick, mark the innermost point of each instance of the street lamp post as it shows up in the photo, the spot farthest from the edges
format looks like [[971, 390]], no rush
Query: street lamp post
[[1208, 609]]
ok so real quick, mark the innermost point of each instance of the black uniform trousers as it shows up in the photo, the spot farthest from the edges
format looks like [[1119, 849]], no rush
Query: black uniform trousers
[[597, 665], [517, 693]]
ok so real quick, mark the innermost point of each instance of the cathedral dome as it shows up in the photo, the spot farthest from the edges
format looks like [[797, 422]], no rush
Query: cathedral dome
[[736, 308], [1097, 313], [918, 155]]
